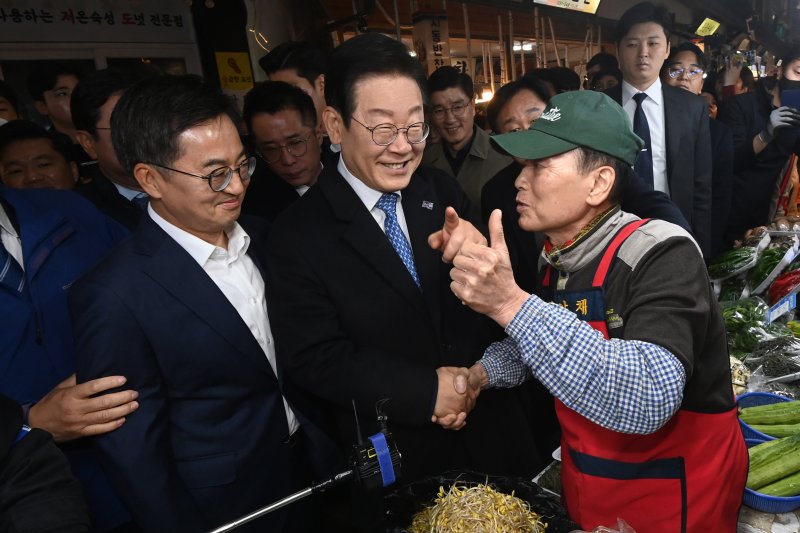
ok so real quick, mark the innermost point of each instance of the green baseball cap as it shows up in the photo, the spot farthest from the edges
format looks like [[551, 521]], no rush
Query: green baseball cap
[[579, 118]]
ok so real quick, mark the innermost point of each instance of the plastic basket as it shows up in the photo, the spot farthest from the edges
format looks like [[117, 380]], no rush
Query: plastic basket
[[763, 502], [751, 399]]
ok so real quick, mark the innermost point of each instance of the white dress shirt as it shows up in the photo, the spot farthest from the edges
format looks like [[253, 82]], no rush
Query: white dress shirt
[[654, 110], [10, 238], [234, 272], [369, 197]]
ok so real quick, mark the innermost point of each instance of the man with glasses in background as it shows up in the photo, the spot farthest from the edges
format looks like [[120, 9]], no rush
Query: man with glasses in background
[[363, 309], [180, 310], [284, 133], [464, 150]]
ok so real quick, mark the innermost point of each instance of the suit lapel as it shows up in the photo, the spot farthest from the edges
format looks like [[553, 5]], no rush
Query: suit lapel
[[174, 269], [424, 216], [365, 237]]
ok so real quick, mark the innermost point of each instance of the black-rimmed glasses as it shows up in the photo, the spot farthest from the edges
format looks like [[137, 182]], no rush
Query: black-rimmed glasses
[[385, 134], [220, 178], [691, 72], [295, 148]]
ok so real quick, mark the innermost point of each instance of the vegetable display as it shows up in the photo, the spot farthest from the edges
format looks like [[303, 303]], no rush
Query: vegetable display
[[774, 466], [474, 509], [732, 262]]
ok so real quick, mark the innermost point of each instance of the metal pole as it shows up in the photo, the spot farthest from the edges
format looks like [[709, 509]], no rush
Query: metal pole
[[397, 21], [469, 40], [485, 62], [522, 56], [511, 44], [491, 66], [538, 53], [503, 69], [553, 36], [544, 43]]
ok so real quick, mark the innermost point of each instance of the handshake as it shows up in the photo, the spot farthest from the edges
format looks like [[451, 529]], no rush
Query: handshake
[[458, 391]]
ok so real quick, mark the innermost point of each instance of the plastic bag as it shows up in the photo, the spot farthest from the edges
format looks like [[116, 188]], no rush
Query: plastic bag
[[784, 284], [732, 262], [622, 527]]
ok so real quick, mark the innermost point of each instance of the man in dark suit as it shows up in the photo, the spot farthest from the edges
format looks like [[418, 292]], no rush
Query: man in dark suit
[[180, 310], [106, 184], [677, 155], [284, 133], [364, 310]]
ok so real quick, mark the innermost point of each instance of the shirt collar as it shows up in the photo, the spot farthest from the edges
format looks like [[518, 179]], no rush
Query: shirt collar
[[200, 250], [653, 92], [127, 192], [5, 222], [368, 196]]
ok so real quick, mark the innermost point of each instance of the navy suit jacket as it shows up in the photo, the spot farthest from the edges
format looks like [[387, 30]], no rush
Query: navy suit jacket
[[688, 158], [206, 444]]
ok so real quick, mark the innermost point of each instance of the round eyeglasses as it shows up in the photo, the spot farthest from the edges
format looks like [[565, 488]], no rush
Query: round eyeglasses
[[295, 148], [220, 178], [690, 73], [385, 134]]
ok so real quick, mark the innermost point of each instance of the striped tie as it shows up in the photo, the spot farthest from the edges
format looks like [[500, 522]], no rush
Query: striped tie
[[11, 274]]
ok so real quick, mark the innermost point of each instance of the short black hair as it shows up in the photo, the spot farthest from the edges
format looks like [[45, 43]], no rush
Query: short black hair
[[563, 79], [8, 93], [589, 160], [44, 77], [151, 115], [23, 130], [790, 55], [445, 78], [508, 91], [308, 60], [604, 60], [608, 71], [273, 96], [364, 56], [687, 47], [93, 91], [642, 13]]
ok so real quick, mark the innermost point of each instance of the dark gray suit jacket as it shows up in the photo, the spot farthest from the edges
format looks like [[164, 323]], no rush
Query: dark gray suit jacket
[[688, 157]]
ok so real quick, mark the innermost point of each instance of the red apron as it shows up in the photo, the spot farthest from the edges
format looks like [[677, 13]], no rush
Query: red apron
[[688, 476]]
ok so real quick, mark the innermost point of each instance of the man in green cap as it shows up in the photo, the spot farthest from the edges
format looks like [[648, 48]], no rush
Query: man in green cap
[[625, 332]]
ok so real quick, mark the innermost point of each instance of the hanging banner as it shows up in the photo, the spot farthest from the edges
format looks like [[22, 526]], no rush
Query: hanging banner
[[585, 6], [431, 39], [95, 21]]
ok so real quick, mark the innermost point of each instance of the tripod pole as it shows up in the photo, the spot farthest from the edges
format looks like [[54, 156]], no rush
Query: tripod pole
[[319, 487]]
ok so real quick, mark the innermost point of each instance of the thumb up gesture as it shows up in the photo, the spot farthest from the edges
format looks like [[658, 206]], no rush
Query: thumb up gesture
[[483, 278]]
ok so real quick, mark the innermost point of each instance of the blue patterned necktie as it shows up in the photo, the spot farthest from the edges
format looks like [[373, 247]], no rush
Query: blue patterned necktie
[[644, 162], [388, 204], [11, 274]]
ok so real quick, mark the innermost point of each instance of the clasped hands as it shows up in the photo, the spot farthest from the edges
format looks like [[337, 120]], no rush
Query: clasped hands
[[458, 391]]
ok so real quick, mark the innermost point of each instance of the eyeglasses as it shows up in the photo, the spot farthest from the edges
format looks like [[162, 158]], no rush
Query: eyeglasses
[[457, 110], [220, 178], [691, 73], [295, 148], [385, 134]]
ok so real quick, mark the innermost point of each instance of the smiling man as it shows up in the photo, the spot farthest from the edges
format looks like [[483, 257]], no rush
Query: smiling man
[[676, 158], [625, 332], [34, 158], [180, 310], [363, 311], [464, 150]]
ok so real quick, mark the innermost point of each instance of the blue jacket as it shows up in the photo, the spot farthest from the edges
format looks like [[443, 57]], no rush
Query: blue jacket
[[63, 236]]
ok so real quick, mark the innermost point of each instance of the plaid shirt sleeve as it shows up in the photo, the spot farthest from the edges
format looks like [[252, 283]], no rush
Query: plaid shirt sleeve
[[628, 386]]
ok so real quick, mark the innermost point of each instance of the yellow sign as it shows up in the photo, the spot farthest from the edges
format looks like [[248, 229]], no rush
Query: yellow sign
[[708, 27], [585, 6], [234, 70]]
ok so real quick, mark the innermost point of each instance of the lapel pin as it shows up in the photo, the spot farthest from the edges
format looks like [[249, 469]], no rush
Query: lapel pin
[[427, 205]]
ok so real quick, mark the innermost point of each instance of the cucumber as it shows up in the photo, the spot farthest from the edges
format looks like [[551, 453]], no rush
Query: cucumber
[[778, 430], [780, 460], [774, 413], [761, 453], [788, 486]]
